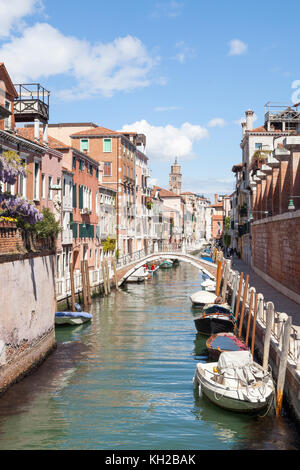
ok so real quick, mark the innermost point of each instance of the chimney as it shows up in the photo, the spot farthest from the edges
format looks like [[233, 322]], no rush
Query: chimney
[[216, 198], [249, 120], [243, 127]]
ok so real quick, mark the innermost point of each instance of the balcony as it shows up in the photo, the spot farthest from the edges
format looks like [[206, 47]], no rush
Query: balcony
[[85, 211], [67, 237]]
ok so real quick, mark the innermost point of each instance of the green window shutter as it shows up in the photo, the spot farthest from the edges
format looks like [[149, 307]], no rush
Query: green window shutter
[[107, 145], [97, 173], [74, 163], [91, 170], [92, 231], [74, 196], [80, 204], [84, 145], [82, 231], [75, 229]]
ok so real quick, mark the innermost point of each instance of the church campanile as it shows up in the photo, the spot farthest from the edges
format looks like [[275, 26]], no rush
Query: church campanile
[[175, 178]]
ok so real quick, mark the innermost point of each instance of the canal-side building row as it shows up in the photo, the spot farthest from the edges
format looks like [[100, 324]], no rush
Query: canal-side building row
[[265, 206]]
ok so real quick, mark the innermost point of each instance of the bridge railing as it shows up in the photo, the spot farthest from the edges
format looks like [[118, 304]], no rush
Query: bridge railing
[[63, 285]]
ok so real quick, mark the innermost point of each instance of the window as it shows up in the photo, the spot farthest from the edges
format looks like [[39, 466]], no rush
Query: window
[[258, 146], [36, 187], [81, 165], [43, 186], [74, 163], [74, 196], [107, 169], [7, 121], [107, 145], [84, 145], [49, 187]]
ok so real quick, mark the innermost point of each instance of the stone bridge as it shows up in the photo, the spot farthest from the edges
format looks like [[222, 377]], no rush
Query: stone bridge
[[206, 267]]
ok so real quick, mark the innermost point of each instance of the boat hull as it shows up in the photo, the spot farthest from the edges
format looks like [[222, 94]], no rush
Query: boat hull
[[231, 399], [69, 318], [221, 342], [213, 324]]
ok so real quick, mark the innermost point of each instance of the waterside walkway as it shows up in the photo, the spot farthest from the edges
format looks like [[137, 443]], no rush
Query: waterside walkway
[[280, 301]]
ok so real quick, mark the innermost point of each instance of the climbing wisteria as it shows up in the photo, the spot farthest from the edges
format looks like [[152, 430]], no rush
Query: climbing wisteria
[[11, 167]]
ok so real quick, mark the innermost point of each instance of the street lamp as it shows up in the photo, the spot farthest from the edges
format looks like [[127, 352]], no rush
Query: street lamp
[[259, 212], [291, 206]]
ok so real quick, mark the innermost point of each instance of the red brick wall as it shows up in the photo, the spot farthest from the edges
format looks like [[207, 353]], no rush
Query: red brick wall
[[276, 251], [10, 238]]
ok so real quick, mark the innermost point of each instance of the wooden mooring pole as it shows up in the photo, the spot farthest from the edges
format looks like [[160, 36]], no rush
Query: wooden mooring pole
[[72, 286], [268, 332], [107, 277], [283, 364], [104, 278], [83, 284], [252, 291], [237, 305], [88, 284], [254, 324], [115, 274], [245, 293], [225, 281], [219, 266]]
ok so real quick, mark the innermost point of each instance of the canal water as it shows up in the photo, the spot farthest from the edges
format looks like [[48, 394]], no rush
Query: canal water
[[124, 382]]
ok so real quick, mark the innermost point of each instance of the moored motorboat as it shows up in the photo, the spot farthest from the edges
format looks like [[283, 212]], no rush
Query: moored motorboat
[[218, 343], [201, 298], [140, 275], [166, 264], [72, 318], [215, 319], [235, 382], [209, 285]]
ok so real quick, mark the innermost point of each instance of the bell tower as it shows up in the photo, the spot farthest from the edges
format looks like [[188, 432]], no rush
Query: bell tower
[[175, 178]]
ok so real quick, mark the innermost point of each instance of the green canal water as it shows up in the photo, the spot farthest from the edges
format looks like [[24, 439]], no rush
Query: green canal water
[[124, 382]]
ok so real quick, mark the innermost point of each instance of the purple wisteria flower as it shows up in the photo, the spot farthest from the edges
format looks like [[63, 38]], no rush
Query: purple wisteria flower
[[10, 169], [15, 206]]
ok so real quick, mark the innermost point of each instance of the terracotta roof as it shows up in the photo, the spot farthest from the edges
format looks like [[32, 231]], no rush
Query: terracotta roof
[[96, 131], [164, 192], [4, 74], [28, 133], [187, 192], [237, 167]]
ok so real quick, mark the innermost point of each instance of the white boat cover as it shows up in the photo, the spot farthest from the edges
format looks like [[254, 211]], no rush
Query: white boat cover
[[208, 283], [240, 364], [203, 297]]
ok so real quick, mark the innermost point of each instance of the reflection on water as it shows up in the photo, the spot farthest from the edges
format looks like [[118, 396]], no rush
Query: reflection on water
[[124, 381]]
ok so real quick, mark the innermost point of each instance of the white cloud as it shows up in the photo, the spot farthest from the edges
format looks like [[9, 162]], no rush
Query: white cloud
[[217, 122], [184, 52], [166, 142], [13, 12], [237, 47], [170, 9], [43, 51], [160, 109]]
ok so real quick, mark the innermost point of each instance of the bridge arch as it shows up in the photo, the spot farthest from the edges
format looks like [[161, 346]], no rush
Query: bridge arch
[[205, 266]]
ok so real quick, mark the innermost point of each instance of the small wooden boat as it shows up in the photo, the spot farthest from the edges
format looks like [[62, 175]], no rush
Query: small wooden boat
[[154, 268], [209, 285], [166, 264], [176, 262], [72, 318], [201, 298], [221, 342], [215, 319], [235, 382], [140, 275]]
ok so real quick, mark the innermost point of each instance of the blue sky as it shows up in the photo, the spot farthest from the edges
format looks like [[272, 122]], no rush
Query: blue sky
[[182, 71]]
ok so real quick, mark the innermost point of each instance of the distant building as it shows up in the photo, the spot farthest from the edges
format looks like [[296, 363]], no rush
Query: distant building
[[175, 178]]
